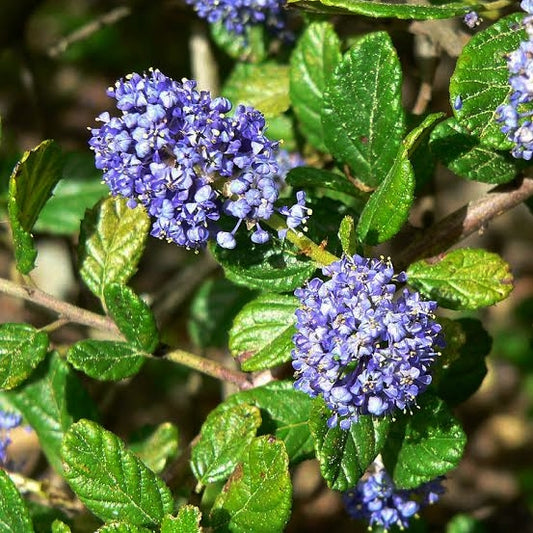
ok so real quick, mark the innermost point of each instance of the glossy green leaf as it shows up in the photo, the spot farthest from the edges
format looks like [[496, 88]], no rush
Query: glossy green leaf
[[481, 80], [257, 497], [344, 455], [110, 480], [213, 309], [362, 116], [423, 445], [132, 316], [105, 360], [14, 515], [122, 527], [456, 381], [60, 527], [463, 154], [313, 60], [111, 243], [347, 235], [282, 128], [250, 47], [414, 9], [224, 437], [30, 186], [22, 348], [314, 178], [264, 87], [50, 401], [261, 336], [187, 521], [285, 413], [463, 279], [157, 447], [275, 266]]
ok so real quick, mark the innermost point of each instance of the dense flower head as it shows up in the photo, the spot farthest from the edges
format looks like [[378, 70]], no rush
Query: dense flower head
[[8, 421], [239, 15], [175, 151], [363, 347], [515, 116], [377, 500], [471, 19]]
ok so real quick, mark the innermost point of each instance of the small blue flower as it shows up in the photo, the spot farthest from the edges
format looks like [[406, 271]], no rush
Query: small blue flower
[[8, 421], [471, 19]]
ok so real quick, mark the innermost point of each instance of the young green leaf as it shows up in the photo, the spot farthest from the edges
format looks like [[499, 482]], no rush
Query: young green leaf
[[14, 515], [261, 336], [257, 497], [60, 527], [347, 235], [481, 80], [30, 186], [463, 154], [50, 401], [106, 360], [224, 437], [110, 480], [132, 316], [22, 348], [187, 521], [362, 116], [423, 445], [313, 60], [463, 279], [111, 243], [264, 87], [345, 455], [157, 447]]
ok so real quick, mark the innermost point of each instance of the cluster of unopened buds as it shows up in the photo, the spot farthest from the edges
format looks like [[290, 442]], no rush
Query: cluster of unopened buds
[[175, 151]]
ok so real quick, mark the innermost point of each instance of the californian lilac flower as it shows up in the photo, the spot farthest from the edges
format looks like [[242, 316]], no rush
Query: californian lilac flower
[[361, 346], [471, 19], [376, 500], [238, 16], [175, 151], [8, 421]]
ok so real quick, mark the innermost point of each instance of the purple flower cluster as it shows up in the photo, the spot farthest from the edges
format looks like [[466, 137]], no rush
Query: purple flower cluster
[[239, 15], [176, 152], [8, 421], [471, 19], [376, 500], [361, 346], [515, 116]]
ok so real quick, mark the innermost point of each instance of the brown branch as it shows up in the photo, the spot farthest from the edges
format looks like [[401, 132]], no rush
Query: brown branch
[[468, 219]]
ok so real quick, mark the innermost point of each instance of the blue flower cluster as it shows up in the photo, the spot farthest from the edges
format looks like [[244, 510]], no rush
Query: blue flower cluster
[[515, 116], [8, 421], [361, 346], [376, 500], [239, 15], [176, 152]]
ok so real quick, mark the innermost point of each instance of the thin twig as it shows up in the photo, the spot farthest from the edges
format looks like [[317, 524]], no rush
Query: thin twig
[[203, 63], [470, 218]]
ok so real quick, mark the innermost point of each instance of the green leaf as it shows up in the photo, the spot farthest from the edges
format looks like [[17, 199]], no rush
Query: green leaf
[[285, 413], [105, 360], [281, 128], [275, 266], [224, 437], [111, 243], [187, 521], [261, 336], [250, 47], [110, 480], [362, 116], [313, 60], [14, 515], [458, 380], [463, 154], [344, 455], [264, 87], [463, 523], [60, 527], [157, 447], [481, 80], [50, 401], [463, 279], [132, 316], [22, 348], [30, 186], [415, 10], [310, 177], [347, 235], [423, 445], [257, 497], [122, 527], [213, 309]]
